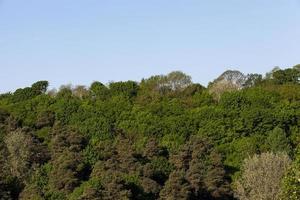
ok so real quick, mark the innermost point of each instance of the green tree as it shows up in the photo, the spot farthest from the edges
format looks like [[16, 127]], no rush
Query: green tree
[[98, 90], [289, 75], [40, 87], [277, 141], [291, 180], [128, 88]]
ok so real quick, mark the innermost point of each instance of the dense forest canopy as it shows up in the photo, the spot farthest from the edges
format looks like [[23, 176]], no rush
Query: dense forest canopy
[[164, 137]]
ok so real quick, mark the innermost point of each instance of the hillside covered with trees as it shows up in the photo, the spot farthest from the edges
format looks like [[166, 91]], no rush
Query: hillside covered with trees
[[164, 137]]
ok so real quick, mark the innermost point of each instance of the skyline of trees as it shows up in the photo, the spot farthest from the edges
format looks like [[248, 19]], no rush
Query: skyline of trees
[[162, 138]]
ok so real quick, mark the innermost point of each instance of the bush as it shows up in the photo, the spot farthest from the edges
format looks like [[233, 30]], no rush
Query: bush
[[261, 176]]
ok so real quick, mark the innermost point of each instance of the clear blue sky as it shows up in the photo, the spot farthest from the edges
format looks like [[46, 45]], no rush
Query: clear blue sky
[[78, 41]]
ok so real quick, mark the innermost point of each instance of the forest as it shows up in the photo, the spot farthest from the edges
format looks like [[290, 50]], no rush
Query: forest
[[163, 137]]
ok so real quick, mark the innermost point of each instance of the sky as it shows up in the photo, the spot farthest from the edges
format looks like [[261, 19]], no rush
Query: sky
[[78, 42]]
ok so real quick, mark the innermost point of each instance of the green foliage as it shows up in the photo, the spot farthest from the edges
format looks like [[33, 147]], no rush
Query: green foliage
[[91, 189], [277, 141], [291, 180], [198, 173], [99, 91], [290, 75], [240, 149], [163, 138], [44, 134], [128, 89], [40, 87], [36, 89]]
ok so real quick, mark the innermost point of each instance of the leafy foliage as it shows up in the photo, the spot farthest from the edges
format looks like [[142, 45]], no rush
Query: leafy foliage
[[162, 138], [261, 176]]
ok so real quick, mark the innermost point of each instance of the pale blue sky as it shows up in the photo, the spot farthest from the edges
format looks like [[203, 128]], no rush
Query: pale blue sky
[[79, 41]]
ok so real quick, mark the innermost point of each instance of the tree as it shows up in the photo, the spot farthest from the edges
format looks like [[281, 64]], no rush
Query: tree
[[193, 89], [173, 82], [65, 91], [297, 67], [37, 187], [10, 187], [269, 75], [3, 116], [177, 187], [23, 94], [80, 91], [198, 174], [291, 180], [289, 75], [66, 139], [128, 88], [68, 166], [40, 87], [230, 80], [277, 141], [177, 81], [162, 138], [91, 189], [46, 118], [19, 146], [98, 90], [261, 176], [66, 173], [252, 80]]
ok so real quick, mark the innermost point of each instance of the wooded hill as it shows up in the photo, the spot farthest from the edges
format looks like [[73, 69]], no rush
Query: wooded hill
[[164, 137]]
